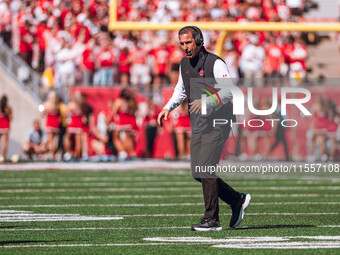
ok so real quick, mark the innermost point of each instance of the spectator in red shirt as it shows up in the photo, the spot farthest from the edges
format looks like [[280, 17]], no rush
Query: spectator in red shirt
[[283, 11], [105, 62], [26, 42], [87, 63], [161, 65], [274, 59], [124, 67], [39, 35], [175, 60], [296, 55], [81, 18], [140, 71]]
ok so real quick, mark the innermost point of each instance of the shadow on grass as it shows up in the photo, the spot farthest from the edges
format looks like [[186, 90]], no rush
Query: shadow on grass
[[276, 226], [9, 227], [4, 243]]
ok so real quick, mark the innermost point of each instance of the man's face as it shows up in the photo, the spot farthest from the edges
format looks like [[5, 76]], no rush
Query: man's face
[[36, 126], [188, 45]]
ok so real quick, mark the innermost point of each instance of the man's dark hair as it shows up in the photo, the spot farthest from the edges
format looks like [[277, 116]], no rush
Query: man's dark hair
[[187, 30]]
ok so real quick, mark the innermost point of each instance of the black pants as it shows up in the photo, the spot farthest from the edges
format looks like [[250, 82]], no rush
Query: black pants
[[150, 133], [206, 150], [280, 137]]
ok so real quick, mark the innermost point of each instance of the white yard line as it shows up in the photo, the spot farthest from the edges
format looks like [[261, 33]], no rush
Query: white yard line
[[156, 196], [161, 189], [99, 184], [80, 229], [263, 242], [155, 179], [101, 197], [98, 190], [88, 245], [266, 242], [253, 214], [29, 184], [97, 166], [27, 216], [160, 204], [125, 228]]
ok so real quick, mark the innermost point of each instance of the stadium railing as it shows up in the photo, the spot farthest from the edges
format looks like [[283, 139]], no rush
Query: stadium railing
[[21, 72]]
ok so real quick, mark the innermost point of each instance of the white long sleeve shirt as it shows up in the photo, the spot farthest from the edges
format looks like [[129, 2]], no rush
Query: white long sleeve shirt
[[220, 71]]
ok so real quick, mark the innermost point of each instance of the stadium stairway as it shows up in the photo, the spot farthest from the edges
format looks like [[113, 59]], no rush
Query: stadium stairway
[[25, 110], [324, 59]]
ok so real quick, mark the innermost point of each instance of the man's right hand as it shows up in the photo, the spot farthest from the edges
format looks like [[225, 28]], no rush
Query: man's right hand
[[163, 115]]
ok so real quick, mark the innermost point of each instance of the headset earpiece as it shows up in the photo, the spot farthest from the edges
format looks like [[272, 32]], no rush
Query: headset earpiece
[[199, 37]]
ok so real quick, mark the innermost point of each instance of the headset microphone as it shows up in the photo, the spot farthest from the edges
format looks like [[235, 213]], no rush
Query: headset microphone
[[193, 53]]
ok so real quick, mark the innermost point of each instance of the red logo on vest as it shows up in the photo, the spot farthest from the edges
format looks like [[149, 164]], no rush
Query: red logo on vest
[[186, 72], [201, 73]]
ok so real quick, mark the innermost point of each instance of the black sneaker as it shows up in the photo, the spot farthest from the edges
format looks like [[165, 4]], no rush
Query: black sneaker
[[206, 225], [238, 208]]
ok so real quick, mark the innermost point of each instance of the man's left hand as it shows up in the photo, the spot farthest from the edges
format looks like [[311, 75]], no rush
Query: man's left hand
[[196, 106]]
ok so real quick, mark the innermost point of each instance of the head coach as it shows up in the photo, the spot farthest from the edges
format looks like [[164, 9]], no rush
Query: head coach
[[198, 69]]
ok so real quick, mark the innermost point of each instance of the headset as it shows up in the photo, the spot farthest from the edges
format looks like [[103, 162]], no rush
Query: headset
[[198, 38]]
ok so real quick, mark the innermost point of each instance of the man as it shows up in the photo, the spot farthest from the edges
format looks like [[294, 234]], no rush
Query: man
[[36, 141], [207, 142]]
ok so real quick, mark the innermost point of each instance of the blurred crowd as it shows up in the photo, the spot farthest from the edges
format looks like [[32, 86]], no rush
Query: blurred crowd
[[73, 132], [69, 44], [68, 41]]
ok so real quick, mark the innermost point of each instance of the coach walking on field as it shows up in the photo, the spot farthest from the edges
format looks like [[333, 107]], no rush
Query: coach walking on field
[[200, 70]]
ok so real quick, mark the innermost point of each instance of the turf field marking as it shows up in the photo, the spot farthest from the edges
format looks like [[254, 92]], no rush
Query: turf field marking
[[78, 229], [161, 189], [101, 205], [161, 205], [283, 245], [29, 179], [123, 228], [149, 165], [27, 216], [100, 184], [92, 179], [98, 190], [253, 214], [125, 183], [103, 197], [158, 196], [264, 242], [273, 245], [157, 178], [88, 245], [19, 216]]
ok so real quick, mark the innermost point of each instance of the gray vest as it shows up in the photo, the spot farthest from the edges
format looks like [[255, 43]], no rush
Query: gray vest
[[195, 73]]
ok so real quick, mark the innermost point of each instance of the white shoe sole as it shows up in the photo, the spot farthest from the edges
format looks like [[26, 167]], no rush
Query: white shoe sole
[[243, 208], [207, 229]]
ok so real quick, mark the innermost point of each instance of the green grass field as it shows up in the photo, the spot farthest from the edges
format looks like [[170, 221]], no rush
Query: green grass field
[[150, 212]]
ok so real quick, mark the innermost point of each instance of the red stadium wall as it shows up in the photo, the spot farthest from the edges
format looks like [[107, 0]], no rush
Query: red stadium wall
[[164, 146]]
